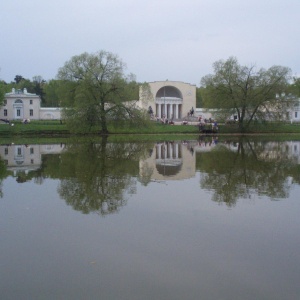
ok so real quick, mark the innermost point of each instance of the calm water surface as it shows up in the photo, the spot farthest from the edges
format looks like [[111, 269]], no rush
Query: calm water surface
[[200, 219]]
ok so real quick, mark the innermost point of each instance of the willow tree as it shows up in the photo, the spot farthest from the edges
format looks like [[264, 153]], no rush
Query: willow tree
[[246, 92], [96, 91]]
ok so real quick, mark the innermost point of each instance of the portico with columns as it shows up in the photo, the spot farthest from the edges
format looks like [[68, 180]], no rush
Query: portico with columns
[[169, 99]]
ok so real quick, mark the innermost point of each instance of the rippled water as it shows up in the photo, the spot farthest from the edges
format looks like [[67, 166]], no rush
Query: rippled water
[[196, 219]]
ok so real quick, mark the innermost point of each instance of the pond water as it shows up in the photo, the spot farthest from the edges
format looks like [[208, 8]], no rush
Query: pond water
[[193, 219]]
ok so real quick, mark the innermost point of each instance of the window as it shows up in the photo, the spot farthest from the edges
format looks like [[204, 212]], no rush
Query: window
[[6, 151], [5, 102], [31, 112], [296, 114], [5, 112], [30, 101], [31, 151], [18, 112]]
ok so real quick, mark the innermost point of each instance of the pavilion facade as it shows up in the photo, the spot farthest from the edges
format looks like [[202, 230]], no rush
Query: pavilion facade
[[168, 99]]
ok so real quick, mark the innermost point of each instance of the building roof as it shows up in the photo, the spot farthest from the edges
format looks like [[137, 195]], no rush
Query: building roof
[[20, 93]]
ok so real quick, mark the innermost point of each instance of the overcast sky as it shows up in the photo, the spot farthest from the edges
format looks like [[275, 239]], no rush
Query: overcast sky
[[157, 39]]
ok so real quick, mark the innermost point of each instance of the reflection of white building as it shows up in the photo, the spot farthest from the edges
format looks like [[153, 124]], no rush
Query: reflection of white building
[[274, 151], [169, 161], [26, 157], [173, 99], [19, 105]]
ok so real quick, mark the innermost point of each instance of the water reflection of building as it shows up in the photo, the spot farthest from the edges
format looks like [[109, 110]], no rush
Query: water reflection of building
[[289, 150], [169, 160], [26, 157], [177, 160]]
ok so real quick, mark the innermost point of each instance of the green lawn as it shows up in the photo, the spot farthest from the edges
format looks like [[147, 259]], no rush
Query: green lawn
[[56, 128]]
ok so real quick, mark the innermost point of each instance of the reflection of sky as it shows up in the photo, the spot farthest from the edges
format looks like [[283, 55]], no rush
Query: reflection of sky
[[169, 242]]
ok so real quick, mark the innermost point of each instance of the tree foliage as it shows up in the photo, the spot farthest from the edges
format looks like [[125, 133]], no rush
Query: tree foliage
[[51, 90], [246, 92], [294, 88], [18, 78], [2, 93], [38, 87], [199, 100], [96, 91]]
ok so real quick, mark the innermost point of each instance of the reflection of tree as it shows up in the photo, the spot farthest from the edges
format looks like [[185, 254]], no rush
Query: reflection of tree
[[96, 176], [23, 176], [3, 174], [252, 166]]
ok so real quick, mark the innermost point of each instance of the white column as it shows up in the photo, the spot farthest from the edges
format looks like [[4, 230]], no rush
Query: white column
[[167, 111], [171, 111]]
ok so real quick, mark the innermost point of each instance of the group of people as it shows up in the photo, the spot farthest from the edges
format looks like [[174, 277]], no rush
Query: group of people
[[203, 128], [202, 122], [165, 120]]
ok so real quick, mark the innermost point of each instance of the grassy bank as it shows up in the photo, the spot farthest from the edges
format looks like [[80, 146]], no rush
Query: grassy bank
[[55, 128]]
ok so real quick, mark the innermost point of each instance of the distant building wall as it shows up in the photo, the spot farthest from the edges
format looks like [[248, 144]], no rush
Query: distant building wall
[[50, 113]]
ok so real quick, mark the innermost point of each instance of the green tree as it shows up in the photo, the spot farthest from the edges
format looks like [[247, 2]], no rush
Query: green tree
[[294, 88], [248, 93], [38, 85], [199, 100], [2, 92], [18, 78], [96, 91], [20, 83], [52, 90]]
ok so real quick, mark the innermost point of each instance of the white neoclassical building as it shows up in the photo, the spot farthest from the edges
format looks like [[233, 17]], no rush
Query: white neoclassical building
[[170, 99], [19, 105]]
